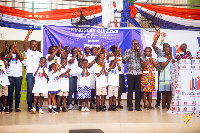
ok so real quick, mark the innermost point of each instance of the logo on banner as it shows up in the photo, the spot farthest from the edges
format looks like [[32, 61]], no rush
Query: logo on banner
[[195, 83], [186, 118]]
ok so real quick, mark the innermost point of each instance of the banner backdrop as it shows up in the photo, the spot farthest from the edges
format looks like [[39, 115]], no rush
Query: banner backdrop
[[80, 37]]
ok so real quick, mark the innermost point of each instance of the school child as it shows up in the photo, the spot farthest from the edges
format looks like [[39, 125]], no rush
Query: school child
[[113, 83], [53, 85], [84, 90], [64, 84], [4, 82], [122, 88], [165, 77], [40, 88], [101, 83], [148, 77]]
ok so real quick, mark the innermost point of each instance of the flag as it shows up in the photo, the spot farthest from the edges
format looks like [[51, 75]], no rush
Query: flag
[[132, 7]]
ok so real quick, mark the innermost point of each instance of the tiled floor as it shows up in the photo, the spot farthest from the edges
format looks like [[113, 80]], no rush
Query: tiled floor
[[155, 120]]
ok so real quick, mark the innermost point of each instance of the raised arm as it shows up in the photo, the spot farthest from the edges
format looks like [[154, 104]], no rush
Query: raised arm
[[156, 37], [62, 52], [26, 40], [21, 58], [4, 49], [9, 56]]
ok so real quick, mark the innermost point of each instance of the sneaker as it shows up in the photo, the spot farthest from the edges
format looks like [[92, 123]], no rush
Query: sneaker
[[83, 109], [17, 110], [1, 108], [76, 106], [80, 108], [41, 111], [10, 110], [70, 107], [33, 110], [86, 109], [64, 109], [29, 109], [58, 109], [54, 110], [50, 110], [97, 109], [110, 108], [6, 110]]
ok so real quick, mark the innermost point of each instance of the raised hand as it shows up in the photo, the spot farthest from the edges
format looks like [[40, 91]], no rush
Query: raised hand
[[117, 46], [30, 31], [7, 44]]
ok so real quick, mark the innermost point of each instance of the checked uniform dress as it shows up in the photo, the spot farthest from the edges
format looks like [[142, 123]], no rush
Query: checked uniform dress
[[84, 92], [148, 78]]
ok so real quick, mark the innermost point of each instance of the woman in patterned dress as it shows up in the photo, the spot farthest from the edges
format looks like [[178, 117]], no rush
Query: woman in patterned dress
[[148, 77]]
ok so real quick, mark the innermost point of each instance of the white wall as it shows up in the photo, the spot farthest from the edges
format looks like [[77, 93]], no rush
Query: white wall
[[17, 34]]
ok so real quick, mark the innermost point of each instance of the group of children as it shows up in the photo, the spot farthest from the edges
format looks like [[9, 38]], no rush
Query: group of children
[[64, 72], [55, 80]]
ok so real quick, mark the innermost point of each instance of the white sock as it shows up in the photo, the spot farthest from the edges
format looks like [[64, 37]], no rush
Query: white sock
[[4, 108], [54, 107], [50, 106]]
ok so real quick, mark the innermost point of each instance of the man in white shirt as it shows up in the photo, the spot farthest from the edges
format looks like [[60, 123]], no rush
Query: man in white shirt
[[33, 57]]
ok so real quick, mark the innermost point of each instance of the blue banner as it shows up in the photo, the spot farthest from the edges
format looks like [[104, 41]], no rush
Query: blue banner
[[80, 37]]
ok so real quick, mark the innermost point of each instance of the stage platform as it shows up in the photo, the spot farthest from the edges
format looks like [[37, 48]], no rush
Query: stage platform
[[121, 121]]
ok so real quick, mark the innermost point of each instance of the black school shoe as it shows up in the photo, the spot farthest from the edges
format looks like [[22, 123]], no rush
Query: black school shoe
[[97, 109], [114, 108], [80, 107], [138, 109], [6, 110], [54, 110], [50, 110], [110, 108], [29, 109], [103, 109], [130, 109], [157, 105], [58, 109], [64, 109]]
